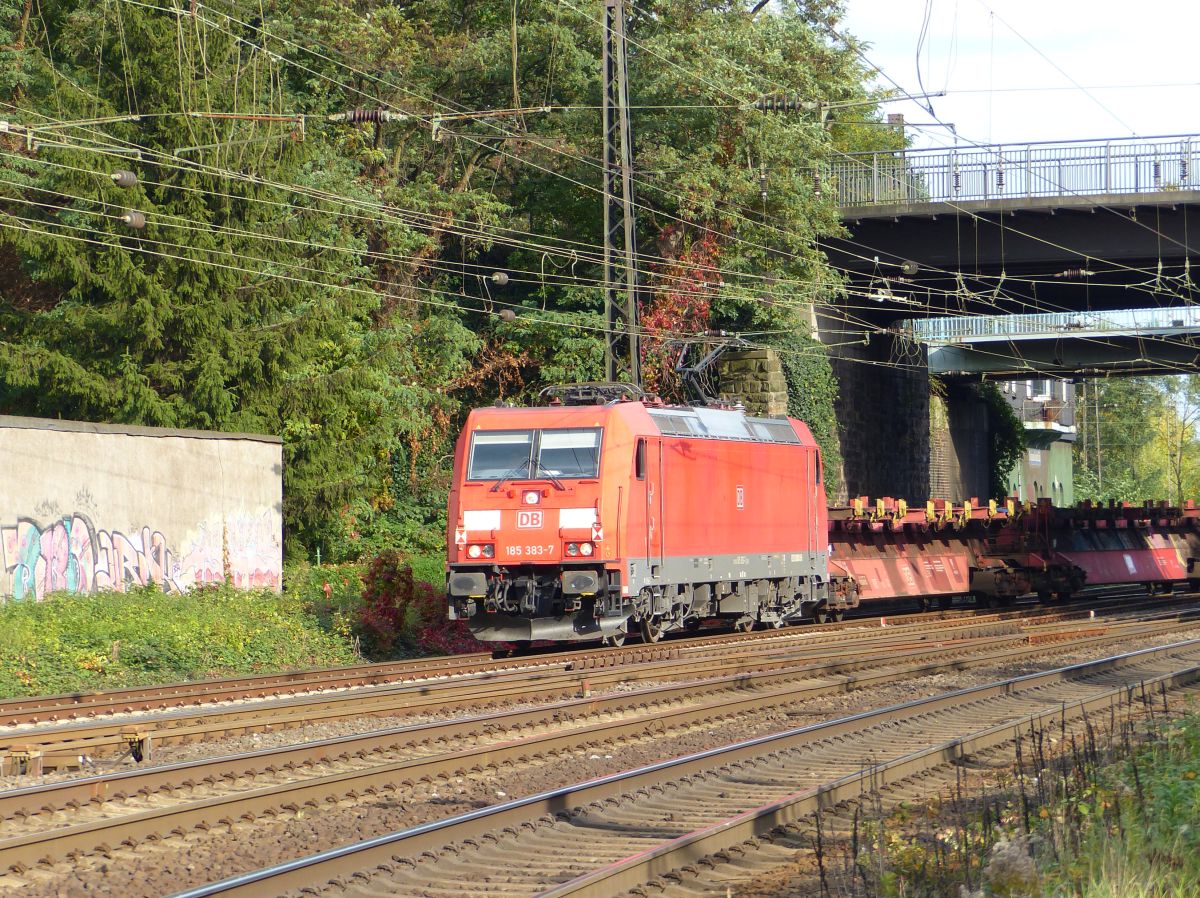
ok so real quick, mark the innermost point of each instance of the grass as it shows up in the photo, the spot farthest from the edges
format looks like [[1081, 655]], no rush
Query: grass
[[1112, 812], [72, 643], [77, 643], [1132, 828]]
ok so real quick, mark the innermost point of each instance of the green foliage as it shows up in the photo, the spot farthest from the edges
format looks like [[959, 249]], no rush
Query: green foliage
[[812, 391], [109, 640], [1008, 438], [381, 607], [400, 611], [331, 284], [331, 593], [245, 303], [1132, 826], [1156, 459]]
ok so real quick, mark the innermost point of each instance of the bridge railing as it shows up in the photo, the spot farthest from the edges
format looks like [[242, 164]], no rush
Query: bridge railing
[[1051, 325], [1085, 167]]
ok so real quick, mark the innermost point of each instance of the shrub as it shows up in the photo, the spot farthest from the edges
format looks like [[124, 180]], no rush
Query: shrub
[[387, 594], [70, 643], [434, 633], [400, 610]]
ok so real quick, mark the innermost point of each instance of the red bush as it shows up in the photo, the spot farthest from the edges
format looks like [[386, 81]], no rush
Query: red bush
[[434, 633], [388, 589], [392, 598], [679, 305]]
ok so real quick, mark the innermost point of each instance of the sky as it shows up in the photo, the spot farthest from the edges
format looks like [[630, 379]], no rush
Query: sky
[[1137, 60]]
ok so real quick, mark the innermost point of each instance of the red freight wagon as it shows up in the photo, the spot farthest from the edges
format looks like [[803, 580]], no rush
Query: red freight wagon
[[577, 522]]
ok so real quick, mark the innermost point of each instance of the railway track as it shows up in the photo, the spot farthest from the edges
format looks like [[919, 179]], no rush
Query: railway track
[[608, 835], [37, 710], [40, 826], [72, 744]]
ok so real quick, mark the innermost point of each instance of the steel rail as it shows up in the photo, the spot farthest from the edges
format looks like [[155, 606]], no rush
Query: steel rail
[[66, 742], [651, 709], [387, 854], [821, 679], [638, 870], [38, 709], [70, 743]]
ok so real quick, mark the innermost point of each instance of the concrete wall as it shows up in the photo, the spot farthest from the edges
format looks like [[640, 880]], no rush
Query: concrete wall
[[85, 507]]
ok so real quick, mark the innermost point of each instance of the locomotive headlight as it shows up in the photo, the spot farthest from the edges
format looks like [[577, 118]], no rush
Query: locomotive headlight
[[474, 551], [489, 551], [572, 548], [585, 549], [532, 497]]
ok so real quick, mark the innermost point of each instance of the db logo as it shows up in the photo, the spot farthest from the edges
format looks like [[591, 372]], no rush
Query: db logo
[[529, 520]]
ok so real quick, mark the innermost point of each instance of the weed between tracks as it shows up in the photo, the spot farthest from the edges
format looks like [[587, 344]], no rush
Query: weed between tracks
[[1109, 811]]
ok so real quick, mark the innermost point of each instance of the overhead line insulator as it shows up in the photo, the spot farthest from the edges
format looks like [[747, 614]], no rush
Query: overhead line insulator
[[356, 116]]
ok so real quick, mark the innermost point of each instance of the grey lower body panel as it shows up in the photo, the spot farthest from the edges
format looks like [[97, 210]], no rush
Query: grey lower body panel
[[677, 570], [583, 626], [664, 594]]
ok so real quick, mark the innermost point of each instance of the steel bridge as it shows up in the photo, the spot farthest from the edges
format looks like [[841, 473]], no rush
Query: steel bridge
[[1075, 228]]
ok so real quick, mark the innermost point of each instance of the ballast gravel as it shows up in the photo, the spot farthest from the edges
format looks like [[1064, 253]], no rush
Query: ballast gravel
[[179, 862]]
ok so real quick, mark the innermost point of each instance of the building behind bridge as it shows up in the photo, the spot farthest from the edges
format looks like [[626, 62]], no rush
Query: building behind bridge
[[1046, 408]]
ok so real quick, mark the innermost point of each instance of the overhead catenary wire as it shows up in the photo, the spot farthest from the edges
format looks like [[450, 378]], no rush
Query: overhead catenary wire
[[1058, 68], [585, 185], [456, 303], [741, 273], [768, 249], [875, 329], [87, 236]]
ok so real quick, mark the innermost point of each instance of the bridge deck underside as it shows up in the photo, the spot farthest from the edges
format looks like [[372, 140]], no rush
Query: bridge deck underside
[[1068, 357], [1009, 257]]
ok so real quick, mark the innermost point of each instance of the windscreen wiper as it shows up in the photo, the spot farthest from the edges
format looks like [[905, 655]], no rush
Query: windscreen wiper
[[555, 482], [538, 471], [513, 472]]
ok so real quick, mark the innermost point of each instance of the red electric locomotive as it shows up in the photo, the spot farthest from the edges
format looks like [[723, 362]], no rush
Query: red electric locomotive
[[600, 514], [603, 513]]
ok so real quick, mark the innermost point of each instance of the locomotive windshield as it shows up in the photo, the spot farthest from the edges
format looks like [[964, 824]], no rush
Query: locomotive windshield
[[557, 454]]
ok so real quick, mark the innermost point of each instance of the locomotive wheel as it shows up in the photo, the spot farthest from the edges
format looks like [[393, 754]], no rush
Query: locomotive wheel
[[745, 625], [839, 615], [616, 640], [652, 630], [822, 616]]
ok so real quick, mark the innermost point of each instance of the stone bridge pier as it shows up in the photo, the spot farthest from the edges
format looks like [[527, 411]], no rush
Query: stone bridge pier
[[902, 433]]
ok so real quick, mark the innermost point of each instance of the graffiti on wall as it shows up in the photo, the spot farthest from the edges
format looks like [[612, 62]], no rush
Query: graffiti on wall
[[244, 549], [69, 554]]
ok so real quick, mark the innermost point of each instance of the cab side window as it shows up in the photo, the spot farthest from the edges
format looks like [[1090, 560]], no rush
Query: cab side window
[[639, 460]]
